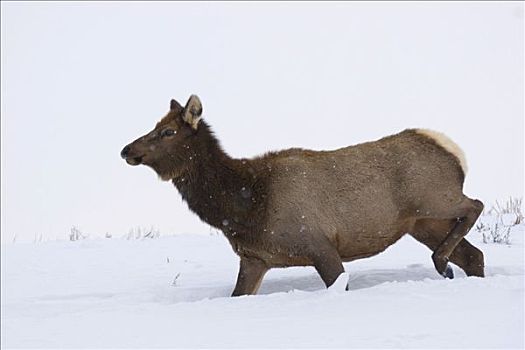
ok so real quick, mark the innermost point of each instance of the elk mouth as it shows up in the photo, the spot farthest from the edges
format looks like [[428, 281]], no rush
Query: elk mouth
[[134, 160]]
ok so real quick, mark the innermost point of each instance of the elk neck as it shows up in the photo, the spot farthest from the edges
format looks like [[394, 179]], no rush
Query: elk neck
[[224, 192]]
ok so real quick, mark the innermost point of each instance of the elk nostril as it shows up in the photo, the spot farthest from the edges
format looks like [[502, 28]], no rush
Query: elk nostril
[[125, 152]]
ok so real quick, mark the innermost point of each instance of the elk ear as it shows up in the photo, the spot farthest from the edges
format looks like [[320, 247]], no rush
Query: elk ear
[[175, 106], [193, 112]]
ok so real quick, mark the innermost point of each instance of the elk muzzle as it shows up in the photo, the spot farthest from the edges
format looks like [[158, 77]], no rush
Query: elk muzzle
[[129, 157], [125, 151]]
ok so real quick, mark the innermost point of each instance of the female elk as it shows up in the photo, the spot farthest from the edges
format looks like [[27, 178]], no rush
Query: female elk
[[299, 207]]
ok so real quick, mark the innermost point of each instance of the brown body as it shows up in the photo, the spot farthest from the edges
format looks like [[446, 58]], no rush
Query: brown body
[[299, 207]]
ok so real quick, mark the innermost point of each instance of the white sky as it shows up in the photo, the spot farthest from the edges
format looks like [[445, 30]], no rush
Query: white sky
[[81, 80]]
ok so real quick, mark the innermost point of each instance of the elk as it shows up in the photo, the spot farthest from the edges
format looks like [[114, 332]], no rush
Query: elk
[[300, 207]]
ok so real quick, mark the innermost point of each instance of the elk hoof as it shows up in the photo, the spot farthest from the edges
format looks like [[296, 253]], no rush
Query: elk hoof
[[449, 273], [442, 266]]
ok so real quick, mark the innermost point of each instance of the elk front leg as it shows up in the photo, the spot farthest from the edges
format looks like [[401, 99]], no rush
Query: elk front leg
[[326, 261], [329, 267], [251, 273]]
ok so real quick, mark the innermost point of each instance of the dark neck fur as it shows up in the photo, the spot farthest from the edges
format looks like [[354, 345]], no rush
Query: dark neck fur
[[224, 192]]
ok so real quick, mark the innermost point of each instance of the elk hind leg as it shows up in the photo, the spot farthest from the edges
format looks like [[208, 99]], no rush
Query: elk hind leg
[[445, 237], [466, 215], [431, 232], [469, 258]]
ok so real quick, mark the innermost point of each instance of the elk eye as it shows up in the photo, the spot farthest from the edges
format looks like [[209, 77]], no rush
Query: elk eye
[[168, 132]]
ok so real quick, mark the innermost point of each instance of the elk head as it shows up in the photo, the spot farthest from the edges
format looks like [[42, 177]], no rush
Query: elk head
[[169, 147]]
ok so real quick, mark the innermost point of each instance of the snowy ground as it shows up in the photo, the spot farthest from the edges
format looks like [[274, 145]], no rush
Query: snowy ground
[[117, 293]]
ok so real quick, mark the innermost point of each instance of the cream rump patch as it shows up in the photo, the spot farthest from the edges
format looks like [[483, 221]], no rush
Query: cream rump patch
[[449, 145]]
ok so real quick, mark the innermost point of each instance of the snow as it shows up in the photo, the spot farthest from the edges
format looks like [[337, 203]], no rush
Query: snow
[[174, 292]]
